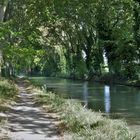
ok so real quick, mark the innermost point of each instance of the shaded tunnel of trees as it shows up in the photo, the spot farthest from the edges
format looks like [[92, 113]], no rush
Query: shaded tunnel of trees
[[70, 38]]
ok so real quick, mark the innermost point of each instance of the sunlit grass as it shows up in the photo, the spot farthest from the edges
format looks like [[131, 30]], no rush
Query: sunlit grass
[[79, 123]]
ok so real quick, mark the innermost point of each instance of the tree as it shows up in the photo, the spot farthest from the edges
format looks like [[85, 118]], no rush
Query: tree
[[3, 6], [73, 37]]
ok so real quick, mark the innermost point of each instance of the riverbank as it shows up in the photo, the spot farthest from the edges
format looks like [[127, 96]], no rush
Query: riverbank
[[69, 118], [79, 123]]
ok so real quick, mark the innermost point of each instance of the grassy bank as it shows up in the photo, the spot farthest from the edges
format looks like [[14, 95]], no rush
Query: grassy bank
[[79, 123], [8, 89], [8, 92]]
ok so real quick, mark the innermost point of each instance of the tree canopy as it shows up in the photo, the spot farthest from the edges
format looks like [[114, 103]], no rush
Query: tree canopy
[[78, 39]]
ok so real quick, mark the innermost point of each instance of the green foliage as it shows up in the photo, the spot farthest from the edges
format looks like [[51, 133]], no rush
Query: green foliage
[[68, 38], [8, 89]]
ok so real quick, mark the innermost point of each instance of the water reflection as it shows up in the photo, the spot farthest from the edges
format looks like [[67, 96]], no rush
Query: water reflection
[[85, 94], [122, 100], [107, 100]]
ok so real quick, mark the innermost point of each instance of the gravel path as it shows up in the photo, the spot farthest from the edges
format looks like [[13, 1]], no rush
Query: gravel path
[[27, 122]]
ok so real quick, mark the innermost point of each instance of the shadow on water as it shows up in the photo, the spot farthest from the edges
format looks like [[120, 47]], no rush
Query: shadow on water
[[115, 100]]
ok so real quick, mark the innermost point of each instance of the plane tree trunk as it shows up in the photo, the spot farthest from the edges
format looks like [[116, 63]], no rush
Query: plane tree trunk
[[3, 6]]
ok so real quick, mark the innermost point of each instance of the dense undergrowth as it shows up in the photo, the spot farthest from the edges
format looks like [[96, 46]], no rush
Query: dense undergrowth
[[79, 123]]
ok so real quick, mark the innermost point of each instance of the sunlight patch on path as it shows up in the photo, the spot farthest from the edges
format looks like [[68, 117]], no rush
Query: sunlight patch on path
[[27, 122]]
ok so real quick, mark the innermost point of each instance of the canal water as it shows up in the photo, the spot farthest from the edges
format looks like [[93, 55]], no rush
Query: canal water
[[121, 101]]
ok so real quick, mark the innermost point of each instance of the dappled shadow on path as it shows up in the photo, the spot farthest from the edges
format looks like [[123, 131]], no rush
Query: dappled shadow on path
[[27, 122]]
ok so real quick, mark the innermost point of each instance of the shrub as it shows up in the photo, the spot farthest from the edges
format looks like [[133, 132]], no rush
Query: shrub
[[7, 89]]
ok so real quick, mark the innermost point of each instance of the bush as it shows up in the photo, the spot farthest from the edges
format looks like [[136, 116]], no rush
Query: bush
[[7, 89]]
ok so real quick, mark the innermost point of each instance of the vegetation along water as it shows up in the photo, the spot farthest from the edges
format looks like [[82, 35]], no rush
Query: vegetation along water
[[94, 42]]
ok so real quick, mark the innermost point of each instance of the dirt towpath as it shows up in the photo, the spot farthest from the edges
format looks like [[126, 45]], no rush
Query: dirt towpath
[[28, 122]]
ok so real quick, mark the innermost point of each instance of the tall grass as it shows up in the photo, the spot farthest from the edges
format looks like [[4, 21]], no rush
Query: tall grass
[[8, 92], [8, 89], [80, 123]]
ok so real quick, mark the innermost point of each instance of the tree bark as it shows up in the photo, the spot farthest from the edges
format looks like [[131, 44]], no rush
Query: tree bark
[[2, 13]]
